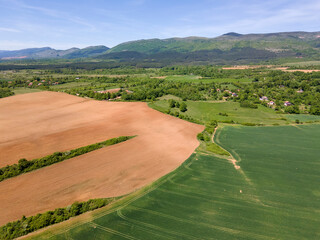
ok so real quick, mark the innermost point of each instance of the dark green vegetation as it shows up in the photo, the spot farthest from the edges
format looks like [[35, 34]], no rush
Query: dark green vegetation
[[30, 224], [5, 92], [25, 166], [274, 195]]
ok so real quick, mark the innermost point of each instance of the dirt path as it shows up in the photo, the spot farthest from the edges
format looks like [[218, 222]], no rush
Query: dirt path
[[232, 160], [38, 124]]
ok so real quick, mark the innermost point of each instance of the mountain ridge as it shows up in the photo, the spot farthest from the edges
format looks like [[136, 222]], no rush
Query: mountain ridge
[[48, 52], [229, 48]]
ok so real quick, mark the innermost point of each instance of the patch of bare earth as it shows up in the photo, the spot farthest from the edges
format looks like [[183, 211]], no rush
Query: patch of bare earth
[[285, 69], [302, 70], [160, 77], [37, 124], [241, 67]]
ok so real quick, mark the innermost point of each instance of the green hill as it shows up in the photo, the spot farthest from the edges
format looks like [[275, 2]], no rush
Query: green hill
[[273, 42], [229, 48], [87, 52]]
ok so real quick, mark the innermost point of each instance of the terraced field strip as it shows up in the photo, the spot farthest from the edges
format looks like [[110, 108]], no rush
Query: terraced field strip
[[207, 198]]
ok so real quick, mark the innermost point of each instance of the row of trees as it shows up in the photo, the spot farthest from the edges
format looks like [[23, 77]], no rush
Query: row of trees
[[30, 224], [24, 165]]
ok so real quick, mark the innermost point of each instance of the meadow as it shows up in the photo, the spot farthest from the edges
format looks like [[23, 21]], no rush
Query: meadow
[[199, 79], [226, 111], [23, 90], [273, 195], [70, 85]]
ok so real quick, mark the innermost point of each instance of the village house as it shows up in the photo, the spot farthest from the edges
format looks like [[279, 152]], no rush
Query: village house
[[300, 91], [287, 103], [271, 103], [264, 98]]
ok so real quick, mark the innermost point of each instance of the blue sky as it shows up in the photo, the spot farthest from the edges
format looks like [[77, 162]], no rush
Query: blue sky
[[62, 24]]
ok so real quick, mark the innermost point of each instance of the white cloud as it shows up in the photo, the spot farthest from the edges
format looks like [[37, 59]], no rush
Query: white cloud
[[3, 29]]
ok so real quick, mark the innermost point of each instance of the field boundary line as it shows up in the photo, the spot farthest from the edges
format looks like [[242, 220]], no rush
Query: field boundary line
[[95, 225], [120, 214]]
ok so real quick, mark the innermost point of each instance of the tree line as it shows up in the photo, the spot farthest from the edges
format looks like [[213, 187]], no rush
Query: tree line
[[25, 166], [30, 224]]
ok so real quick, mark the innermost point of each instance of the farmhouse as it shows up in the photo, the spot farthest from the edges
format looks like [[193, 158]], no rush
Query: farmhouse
[[271, 103], [264, 98], [287, 103]]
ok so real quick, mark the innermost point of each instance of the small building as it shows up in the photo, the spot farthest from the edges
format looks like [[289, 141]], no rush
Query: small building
[[287, 103], [30, 84], [264, 98], [271, 103], [234, 95], [300, 91]]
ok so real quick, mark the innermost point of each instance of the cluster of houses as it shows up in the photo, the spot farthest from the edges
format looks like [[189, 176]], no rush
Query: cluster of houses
[[35, 82], [266, 99], [272, 103]]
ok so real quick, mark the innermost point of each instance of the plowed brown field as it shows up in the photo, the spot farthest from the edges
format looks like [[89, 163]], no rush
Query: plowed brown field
[[38, 124]]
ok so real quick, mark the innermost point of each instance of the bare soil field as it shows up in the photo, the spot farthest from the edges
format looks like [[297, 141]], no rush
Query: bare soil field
[[285, 69], [302, 70], [241, 67], [37, 124]]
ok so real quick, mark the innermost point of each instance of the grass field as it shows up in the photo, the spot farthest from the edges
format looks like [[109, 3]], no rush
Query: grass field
[[303, 117], [198, 79], [274, 195], [70, 85], [303, 64], [18, 91], [207, 111]]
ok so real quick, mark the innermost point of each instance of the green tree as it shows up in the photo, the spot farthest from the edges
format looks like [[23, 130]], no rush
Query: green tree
[[172, 103], [183, 107]]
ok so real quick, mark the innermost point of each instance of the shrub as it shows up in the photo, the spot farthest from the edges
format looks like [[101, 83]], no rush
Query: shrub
[[200, 136], [183, 107], [172, 103]]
